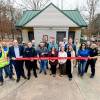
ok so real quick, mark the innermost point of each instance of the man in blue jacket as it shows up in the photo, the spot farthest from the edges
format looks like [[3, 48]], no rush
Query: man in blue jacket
[[16, 51], [70, 42], [53, 44]]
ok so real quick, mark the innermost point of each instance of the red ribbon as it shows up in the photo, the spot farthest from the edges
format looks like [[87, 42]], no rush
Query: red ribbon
[[54, 58]]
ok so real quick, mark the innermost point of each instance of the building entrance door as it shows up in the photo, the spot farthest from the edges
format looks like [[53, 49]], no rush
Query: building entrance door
[[30, 35], [60, 35], [71, 34]]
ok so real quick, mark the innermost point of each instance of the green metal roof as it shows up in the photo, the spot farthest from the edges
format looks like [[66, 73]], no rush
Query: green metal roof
[[74, 15], [26, 17]]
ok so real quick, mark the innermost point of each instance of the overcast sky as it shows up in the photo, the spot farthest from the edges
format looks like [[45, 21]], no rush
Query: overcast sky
[[72, 4], [68, 4]]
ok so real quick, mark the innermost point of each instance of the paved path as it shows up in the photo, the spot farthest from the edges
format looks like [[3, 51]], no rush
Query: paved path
[[90, 88], [98, 62], [47, 88], [9, 86], [53, 88]]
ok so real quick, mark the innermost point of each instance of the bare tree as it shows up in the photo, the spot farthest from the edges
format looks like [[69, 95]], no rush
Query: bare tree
[[8, 18], [13, 15], [90, 10], [92, 7], [33, 4], [57, 3], [61, 4]]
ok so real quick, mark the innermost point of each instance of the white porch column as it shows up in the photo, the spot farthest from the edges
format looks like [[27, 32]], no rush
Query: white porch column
[[67, 31], [77, 34], [25, 36]]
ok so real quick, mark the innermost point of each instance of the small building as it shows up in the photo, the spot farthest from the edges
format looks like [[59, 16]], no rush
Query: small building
[[51, 22]]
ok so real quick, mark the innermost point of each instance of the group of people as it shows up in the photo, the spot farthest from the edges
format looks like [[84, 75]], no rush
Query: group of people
[[63, 49]]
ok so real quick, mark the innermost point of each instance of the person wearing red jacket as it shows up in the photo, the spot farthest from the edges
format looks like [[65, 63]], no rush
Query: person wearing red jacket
[[53, 63]]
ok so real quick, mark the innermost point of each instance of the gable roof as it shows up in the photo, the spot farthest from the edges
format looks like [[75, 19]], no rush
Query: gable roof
[[73, 15]]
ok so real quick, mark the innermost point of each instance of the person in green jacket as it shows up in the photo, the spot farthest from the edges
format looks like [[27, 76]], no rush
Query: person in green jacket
[[77, 48], [4, 64]]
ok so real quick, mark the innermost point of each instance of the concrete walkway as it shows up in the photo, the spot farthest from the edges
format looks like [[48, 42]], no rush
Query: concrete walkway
[[47, 88], [53, 88], [9, 86]]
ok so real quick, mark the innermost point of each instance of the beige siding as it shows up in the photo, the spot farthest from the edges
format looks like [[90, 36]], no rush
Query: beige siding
[[39, 32], [51, 17]]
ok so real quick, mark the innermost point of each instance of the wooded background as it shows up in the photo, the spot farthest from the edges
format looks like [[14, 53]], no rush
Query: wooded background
[[10, 14]]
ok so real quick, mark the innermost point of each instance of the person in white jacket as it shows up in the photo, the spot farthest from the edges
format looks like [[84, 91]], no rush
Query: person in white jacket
[[69, 63], [62, 62], [72, 60]]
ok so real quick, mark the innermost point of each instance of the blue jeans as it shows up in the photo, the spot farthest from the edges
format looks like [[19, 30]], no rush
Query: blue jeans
[[47, 64], [43, 65], [83, 63], [6, 68], [11, 67]]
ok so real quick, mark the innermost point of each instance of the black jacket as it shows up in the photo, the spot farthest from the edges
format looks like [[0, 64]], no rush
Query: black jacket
[[30, 52]]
